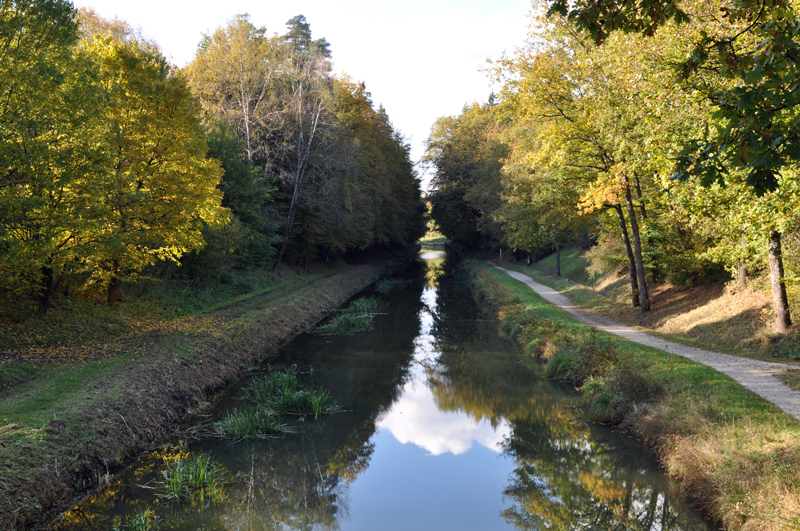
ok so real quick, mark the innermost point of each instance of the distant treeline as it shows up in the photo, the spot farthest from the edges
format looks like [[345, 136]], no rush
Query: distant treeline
[[672, 145], [115, 163]]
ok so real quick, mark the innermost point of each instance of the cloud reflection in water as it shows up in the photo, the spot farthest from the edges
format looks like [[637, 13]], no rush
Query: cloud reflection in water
[[415, 417]]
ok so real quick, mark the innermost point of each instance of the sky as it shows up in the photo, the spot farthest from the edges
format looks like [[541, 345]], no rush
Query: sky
[[420, 59]]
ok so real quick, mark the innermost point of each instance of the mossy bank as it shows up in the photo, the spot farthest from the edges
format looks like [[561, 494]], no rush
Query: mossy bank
[[733, 453], [63, 432]]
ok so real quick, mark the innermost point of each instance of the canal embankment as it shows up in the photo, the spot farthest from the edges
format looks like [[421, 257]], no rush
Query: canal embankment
[[733, 452], [66, 431]]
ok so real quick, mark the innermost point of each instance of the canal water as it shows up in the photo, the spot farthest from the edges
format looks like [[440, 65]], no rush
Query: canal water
[[445, 426]]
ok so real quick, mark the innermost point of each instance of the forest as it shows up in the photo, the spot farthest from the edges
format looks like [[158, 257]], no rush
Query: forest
[[117, 166], [662, 135]]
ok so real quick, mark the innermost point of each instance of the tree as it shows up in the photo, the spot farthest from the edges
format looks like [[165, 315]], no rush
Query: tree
[[539, 203], [585, 127], [234, 75], [304, 116], [49, 102], [160, 188], [755, 58], [299, 39], [467, 153]]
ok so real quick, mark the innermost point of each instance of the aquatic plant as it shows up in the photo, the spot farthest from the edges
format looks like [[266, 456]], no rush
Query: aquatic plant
[[142, 520], [253, 423], [387, 285], [195, 478], [279, 391], [264, 389], [355, 318]]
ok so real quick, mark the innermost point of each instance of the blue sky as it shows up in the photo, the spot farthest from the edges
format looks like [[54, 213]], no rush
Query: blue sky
[[420, 59]]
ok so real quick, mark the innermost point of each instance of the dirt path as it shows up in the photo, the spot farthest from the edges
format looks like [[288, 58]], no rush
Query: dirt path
[[757, 376]]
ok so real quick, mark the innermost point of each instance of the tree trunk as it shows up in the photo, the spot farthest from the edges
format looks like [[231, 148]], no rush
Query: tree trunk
[[639, 194], [780, 302], [644, 298], [558, 255], [289, 222], [623, 228], [113, 284], [47, 289], [529, 260], [742, 281]]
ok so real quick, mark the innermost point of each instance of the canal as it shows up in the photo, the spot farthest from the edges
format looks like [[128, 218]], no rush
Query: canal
[[443, 425]]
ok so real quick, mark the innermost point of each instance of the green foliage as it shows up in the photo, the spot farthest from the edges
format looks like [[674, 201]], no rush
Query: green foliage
[[344, 176], [388, 285], [195, 479], [355, 318], [250, 423], [142, 520], [279, 391], [466, 153], [113, 177]]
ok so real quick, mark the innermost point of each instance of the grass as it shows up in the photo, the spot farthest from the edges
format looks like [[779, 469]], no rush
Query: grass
[[241, 425], [280, 392], [195, 479], [84, 318], [790, 377], [433, 237], [142, 520], [712, 316], [355, 318], [388, 285], [736, 454]]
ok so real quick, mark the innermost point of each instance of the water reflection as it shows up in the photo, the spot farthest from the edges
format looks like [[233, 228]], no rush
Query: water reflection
[[445, 428]]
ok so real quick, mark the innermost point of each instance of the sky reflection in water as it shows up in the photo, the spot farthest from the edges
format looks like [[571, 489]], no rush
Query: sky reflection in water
[[443, 429], [415, 418]]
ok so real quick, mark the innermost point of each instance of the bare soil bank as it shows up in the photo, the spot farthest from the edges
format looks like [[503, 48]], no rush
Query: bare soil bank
[[130, 403]]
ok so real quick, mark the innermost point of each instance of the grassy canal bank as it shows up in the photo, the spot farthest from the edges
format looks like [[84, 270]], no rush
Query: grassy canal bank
[[734, 453], [71, 414]]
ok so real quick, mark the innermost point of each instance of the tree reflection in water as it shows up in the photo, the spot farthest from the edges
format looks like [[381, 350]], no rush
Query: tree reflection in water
[[566, 474], [569, 474]]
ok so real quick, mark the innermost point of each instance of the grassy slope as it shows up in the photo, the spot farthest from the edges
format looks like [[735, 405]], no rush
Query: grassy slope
[[735, 453], [62, 430], [707, 316]]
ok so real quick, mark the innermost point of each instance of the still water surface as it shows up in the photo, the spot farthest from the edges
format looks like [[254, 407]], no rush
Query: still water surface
[[445, 428]]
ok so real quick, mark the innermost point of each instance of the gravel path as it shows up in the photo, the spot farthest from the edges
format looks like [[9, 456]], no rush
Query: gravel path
[[757, 376]]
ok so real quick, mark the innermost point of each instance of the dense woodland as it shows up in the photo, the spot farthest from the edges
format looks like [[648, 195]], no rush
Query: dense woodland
[[666, 133], [116, 165]]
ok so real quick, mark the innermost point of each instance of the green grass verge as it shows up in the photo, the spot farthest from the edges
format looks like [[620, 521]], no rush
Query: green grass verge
[[573, 266], [433, 239], [586, 297], [791, 377], [84, 318], [735, 453]]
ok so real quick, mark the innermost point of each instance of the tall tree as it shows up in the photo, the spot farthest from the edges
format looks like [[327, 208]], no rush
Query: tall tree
[[160, 188], [466, 153], [49, 101], [563, 87]]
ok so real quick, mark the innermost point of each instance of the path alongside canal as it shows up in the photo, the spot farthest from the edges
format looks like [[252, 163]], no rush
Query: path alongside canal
[[757, 376]]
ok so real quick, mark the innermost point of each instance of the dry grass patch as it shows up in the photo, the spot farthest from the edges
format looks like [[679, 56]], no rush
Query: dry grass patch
[[748, 470], [719, 317]]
